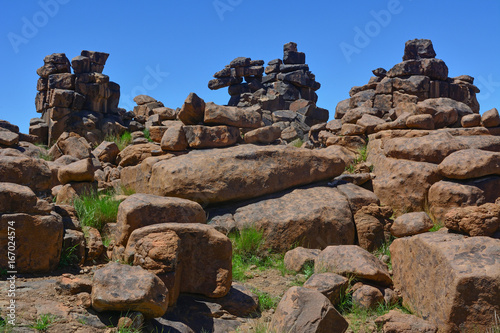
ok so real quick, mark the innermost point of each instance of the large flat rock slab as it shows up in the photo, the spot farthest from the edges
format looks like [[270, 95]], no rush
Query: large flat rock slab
[[324, 218], [450, 279], [242, 172]]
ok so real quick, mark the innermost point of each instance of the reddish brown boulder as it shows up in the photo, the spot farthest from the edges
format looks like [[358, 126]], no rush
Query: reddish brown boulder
[[367, 297], [263, 135], [16, 198], [197, 261], [471, 120], [140, 210], [352, 260], [479, 163], [106, 152], [231, 116], [446, 195], [71, 144], [94, 247], [193, 110], [174, 138], [450, 279], [118, 287], [135, 154], [137, 177], [398, 322], [411, 224], [357, 196], [420, 121], [8, 138], [433, 148], [80, 171], [17, 168], [38, 242], [297, 259], [211, 176], [324, 219], [371, 222], [303, 310], [481, 220], [444, 111], [329, 284], [199, 136], [491, 118]]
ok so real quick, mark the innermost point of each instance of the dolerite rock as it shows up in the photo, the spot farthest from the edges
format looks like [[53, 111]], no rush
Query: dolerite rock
[[263, 135], [444, 111], [482, 220], [367, 297], [418, 49], [432, 148], [433, 68], [211, 176], [80, 171], [357, 196], [329, 284], [106, 152], [8, 138], [446, 195], [39, 234], [325, 219], [411, 224], [72, 144], [479, 163], [303, 310], [455, 283], [118, 287], [20, 169], [420, 121], [140, 210], [371, 222], [352, 260], [197, 260], [471, 120], [193, 110], [398, 322], [297, 259], [199, 136], [231, 116], [174, 139], [491, 118], [135, 154], [144, 99]]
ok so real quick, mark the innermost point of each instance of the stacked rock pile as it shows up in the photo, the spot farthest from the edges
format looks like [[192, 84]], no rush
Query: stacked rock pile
[[286, 95], [85, 102]]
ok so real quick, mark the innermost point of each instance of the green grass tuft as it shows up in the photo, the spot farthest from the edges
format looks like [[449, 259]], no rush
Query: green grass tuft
[[121, 141], [247, 252], [360, 158], [266, 301], [43, 322], [95, 210], [297, 143], [147, 135], [384, 250], [68, 256]]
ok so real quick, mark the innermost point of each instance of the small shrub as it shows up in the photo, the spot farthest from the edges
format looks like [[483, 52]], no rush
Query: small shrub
[[297, 143], [68, 256], [436, 227], [121, 141], [95, 210], [266, 301], [147, 135], [247, 242], [360, 157], [43, 322]]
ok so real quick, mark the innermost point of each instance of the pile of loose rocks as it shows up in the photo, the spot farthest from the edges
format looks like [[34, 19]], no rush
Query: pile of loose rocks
[[85, 102], [285, 96]]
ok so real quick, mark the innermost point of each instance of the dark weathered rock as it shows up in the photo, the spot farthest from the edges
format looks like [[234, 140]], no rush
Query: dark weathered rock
[[456, 282], [481, 220], [80, 171], [199, 136], [263, 135], [193, 110], [479, 163], [352, 259], [140, 210], [211, 176], [174, 139], [367, 297], [329, 284], [398, 322], [306, 311], [371, 222], [118, 287], [17, 168], [297, 259], [231, 116], [491, 118], [418, 49], [197, 261], [411, 224]]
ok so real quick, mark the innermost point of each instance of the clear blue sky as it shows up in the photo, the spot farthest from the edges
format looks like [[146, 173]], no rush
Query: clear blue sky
[[188, 41]]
